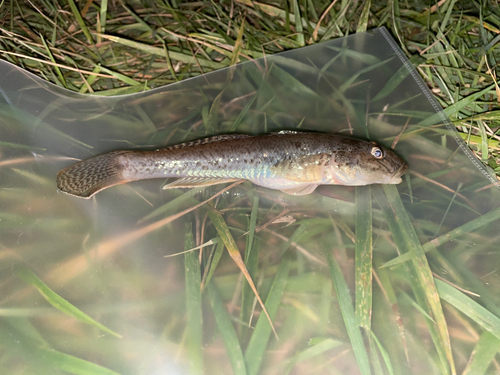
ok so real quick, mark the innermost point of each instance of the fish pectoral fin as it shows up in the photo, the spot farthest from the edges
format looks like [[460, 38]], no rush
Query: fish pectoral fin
[[189, 182], [301, 190]]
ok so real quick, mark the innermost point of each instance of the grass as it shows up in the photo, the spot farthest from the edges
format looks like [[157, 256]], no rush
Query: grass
[[381, 280]]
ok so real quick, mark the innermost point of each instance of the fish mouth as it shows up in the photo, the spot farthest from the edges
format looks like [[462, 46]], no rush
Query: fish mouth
[[401, 170]]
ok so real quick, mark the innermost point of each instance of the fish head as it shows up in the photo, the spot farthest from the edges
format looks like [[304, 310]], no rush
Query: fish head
[[366, 163]]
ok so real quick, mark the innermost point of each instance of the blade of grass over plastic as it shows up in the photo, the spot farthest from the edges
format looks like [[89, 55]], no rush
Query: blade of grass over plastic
[[377, 366], [353, 79], [173, 204], [73, 364], [356, 55], [422, 304], [215, 261], [57, 301], [316, 347], [393, 83], [244, 111], [232, 248], [483, 354], [406, 239], [383, 352], [469, 307], [387, 287], [194, 317], [348, 316], [251, 262], [262, 332], [17, 145], [363, 256], [41, 359], [226, 330], [463, 229], [108, 246], [294, 85]]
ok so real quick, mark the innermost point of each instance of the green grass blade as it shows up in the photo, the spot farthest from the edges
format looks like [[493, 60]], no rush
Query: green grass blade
[[298, 25], [79, 19], [317, 346], [469, 307], [244, 111], [393, 83], [51, 57], [484, 141], [251, 261], [347, 310], [233, 251], [58, 302], [406, 240], [215, 261], [349, 82], [363, 257], [452, 110], [227, 332], [89, 81], [377, 366], [194, 334], [103, 12], [386, 285], [73, 364], [260, 337], [384, 353], [483, 354], [276, 12], [38, 357], [457, 232], [188, 59], [363, 19], [121, 77], [238, 45]]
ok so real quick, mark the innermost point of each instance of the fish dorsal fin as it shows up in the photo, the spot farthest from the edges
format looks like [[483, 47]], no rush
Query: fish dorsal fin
[[215, 138], [281, 132], [301, 190], [189, 182]]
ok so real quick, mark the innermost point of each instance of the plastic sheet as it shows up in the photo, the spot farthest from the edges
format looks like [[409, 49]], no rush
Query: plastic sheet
[[105, 257]]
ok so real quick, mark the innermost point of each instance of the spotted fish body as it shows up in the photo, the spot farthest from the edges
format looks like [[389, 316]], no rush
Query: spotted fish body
[[292, 162]]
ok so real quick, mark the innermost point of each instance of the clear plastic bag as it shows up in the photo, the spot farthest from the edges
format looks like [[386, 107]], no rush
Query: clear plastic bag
[[104, 258]]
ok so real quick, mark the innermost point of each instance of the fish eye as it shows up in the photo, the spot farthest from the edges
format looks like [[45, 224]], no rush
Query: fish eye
[[377, 152]]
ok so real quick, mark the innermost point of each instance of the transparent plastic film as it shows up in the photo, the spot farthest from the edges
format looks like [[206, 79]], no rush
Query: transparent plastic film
[[398, 277]]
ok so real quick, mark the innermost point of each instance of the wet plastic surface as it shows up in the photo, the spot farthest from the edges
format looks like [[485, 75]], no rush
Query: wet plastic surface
[[106, 255]]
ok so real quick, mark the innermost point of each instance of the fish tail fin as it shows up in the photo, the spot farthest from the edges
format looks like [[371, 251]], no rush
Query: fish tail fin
[[87, 177]]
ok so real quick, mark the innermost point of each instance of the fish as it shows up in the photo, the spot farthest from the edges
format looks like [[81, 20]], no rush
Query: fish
[[294, 162]]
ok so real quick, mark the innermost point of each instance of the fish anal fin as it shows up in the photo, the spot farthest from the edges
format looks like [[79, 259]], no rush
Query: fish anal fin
[[301, 190], [190, 182]]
